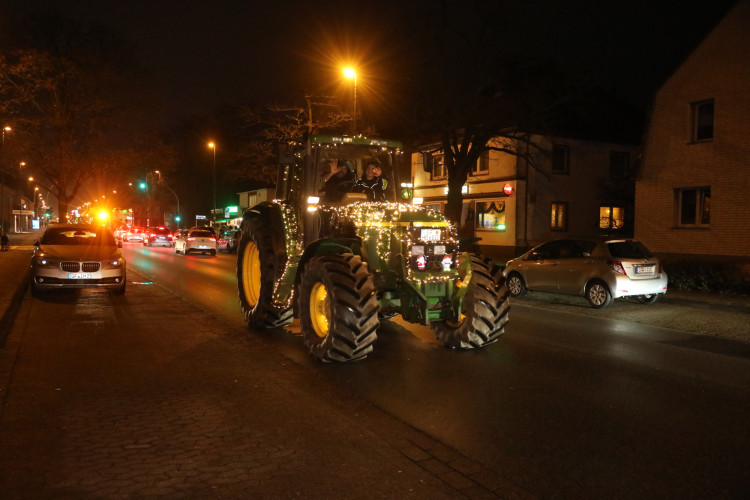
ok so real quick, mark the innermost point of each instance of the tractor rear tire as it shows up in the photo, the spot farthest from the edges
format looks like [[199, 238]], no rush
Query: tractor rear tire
[[257, 272], [484, 309], [338, 308]]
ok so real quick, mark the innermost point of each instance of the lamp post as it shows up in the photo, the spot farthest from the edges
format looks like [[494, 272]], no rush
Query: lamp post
[[212, 145], [2, 183], [350, 73], [173, 192]]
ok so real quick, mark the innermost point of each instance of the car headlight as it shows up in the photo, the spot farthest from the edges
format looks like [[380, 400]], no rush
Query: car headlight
[[43, 261], [113, 263]]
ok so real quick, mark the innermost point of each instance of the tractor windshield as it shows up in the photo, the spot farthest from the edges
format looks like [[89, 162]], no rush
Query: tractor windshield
[[349, 168]]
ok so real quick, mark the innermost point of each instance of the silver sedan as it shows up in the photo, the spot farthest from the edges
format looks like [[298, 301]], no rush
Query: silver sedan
[[600, 271], [77, 256]]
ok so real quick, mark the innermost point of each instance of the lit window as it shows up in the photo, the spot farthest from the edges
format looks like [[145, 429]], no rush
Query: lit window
[[693, 206], [559, 219], [611, 217], [491, 215], [703, 120], [560, 159]]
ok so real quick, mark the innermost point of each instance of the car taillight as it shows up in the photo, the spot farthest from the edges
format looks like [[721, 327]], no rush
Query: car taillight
[[617, 266]]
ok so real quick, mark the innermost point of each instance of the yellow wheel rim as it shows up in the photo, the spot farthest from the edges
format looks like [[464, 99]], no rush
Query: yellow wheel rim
[[251, 273], [320, 309]]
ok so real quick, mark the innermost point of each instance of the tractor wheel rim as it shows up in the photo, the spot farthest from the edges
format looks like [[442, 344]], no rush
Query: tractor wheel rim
[[251, 274], [320, 310]]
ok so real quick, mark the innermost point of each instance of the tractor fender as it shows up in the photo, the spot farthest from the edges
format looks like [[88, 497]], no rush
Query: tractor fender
[[327, 246]]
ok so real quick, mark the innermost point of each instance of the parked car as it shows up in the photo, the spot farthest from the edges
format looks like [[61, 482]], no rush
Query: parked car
[[77, 256], [134, 234], [229, 240], [158, 236], [196, 240], [600, 271]]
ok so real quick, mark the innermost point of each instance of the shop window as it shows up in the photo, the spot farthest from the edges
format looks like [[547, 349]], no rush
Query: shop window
[[703, 120], [490, 215], [611, 217], [560, 159], [693, 206], [482, 165], [559, 219]]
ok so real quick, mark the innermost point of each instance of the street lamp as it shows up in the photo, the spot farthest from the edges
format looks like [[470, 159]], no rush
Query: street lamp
[[350, 73], [212, 145]]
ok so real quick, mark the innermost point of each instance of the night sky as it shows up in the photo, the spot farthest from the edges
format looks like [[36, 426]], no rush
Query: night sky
[[203, 53]]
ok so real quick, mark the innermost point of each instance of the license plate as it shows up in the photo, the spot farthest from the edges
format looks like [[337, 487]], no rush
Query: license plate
[[430, 235], [80, 276], [644, 269]]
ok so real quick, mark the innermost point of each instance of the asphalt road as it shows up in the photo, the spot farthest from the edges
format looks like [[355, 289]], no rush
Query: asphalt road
[[568, 403]]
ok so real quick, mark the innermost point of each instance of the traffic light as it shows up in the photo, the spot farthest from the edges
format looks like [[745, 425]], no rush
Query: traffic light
[[143, 185], [177, 218]]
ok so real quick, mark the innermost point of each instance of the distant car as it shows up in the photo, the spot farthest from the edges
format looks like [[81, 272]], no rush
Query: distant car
[[77, 256], [134, 234], [196, 240], [229, 240], [600, 271], [158, 236]]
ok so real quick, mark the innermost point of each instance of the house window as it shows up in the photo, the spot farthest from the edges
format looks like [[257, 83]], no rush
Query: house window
[[611, 217], [559, 220], [437, 170], [693, 206], [482, 165], [491, 215], [560, 157], [703, 120], [619, 165]]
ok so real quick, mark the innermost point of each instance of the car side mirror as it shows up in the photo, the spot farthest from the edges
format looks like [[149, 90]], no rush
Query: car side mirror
[[119, 243], [37, 244]]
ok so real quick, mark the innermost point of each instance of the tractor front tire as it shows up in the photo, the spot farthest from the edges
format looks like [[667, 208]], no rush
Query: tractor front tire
[[484, 309], [257, 273], [338, 308]]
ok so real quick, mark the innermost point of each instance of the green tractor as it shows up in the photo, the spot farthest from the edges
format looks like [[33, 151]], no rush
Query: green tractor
[[342, 259]]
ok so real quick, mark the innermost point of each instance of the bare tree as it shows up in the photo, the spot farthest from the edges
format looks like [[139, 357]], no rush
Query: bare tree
[[73, 105], [472, 89]]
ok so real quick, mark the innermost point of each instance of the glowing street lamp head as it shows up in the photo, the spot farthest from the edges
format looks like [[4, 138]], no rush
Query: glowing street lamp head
[[212, 145], [350, 73]]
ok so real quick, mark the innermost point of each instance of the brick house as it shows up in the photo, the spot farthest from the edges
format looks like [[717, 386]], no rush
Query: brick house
[[580, 188], [692, 191]]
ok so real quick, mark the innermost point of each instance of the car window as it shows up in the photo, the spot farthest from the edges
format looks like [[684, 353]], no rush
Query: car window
[[550, 250], [628, 250], [78, 236], [160, 231], [201, 234]]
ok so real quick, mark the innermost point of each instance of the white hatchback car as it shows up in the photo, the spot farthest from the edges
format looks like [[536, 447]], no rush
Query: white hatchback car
[[196, 240], [77, 256], [600, 271]]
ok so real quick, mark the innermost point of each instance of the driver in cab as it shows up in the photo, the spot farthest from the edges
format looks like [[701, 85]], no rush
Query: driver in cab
[[337, 180]]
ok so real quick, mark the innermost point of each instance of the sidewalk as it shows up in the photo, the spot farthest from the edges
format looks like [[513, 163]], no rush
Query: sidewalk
[[14, 267]]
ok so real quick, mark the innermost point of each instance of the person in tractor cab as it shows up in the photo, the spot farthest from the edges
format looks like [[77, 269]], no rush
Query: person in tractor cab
[[337, 181], [372, 182]]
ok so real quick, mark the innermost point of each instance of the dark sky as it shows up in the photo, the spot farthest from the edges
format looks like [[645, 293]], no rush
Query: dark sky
[[203, 53]]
